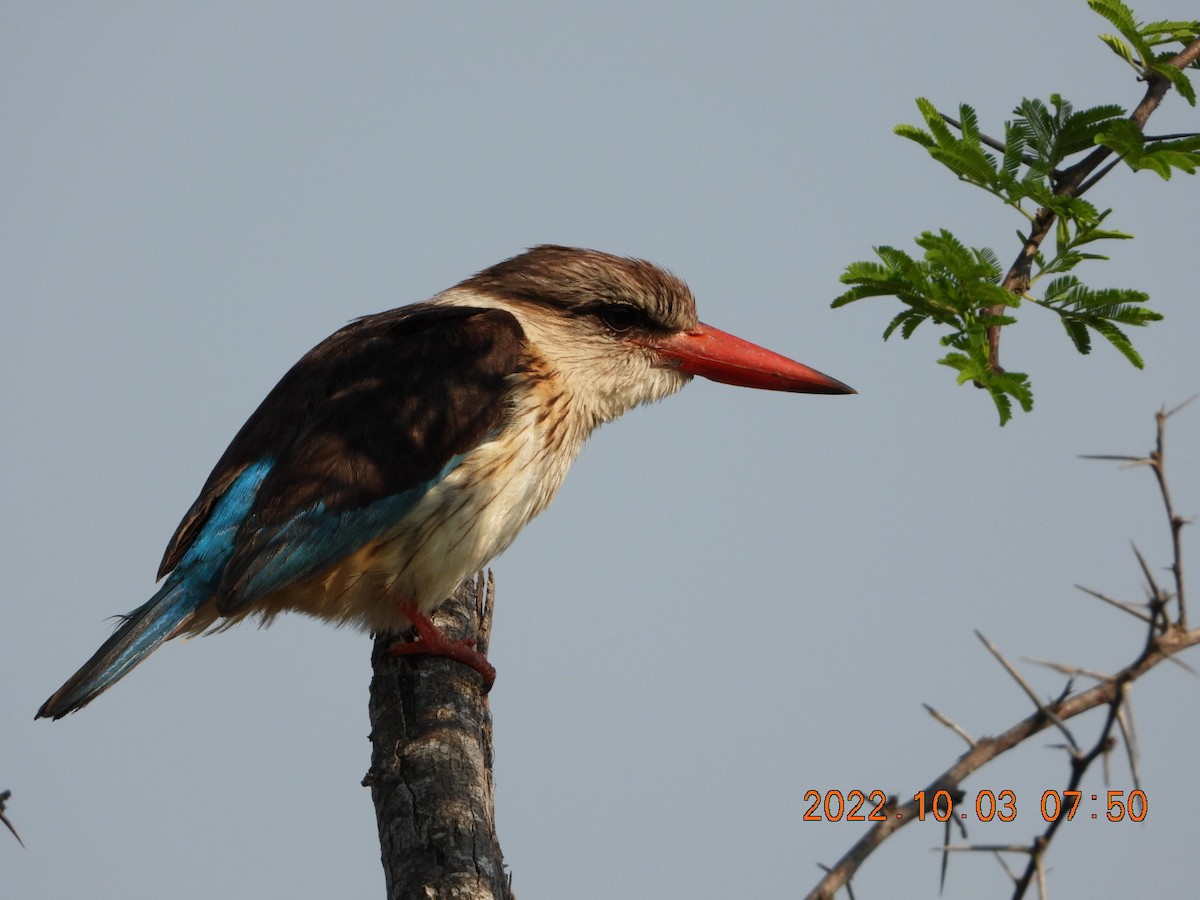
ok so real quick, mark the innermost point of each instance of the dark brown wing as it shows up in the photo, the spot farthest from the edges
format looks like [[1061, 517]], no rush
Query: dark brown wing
[[353, 434]]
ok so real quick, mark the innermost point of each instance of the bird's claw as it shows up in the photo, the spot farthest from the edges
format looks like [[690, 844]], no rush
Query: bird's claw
[[431, 642]]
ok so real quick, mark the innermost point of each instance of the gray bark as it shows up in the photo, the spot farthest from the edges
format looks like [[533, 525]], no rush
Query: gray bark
[[431, 764]]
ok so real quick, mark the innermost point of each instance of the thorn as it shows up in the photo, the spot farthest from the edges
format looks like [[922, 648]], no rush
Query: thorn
[[1063, 669], [1029, 692], [1166, 414], [1009, 872], [951, 724], [945, 857], [988, 848], [1130, 608], [1157, 593], [1183, 665], [1130, 741]]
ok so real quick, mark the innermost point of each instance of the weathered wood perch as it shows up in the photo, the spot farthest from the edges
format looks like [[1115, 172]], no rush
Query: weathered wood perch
[[431, 764]]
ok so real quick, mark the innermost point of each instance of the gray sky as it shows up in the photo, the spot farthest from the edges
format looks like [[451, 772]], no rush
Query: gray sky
[[737, 597]]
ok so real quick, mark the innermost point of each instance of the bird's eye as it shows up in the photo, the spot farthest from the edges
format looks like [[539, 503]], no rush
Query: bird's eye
[[620, 317]]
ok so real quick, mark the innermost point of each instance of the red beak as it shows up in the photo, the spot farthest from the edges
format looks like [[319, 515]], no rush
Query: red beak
[[722, 357]]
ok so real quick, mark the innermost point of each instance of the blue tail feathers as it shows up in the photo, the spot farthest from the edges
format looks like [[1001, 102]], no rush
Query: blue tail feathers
[[135, 639], [187, 588]]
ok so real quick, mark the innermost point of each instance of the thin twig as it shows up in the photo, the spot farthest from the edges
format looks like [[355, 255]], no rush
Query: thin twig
[[1183, 135], [1089, 183]]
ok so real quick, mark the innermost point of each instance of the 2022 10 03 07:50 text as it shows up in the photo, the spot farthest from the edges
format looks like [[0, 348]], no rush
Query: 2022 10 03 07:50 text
[[988, 806]]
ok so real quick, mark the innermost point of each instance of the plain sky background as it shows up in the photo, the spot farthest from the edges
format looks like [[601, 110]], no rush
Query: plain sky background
[[737, 597]]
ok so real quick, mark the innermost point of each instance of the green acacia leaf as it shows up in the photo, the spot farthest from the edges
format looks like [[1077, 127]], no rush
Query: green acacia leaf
[[1096, 234], [907, 321], [1000, 385], [1121, 16], [1003, 406], [1076, 209], [988, 294], [1015, 141], [1061, 289], [1184, 161], [960, 287], [1078, 130], [967, 163], [1119, 47], [1165, 32], [1120, 340], [937, 125], [1078, 334], [900, 263], [968, 123], [1124, 138], [999, 321], [913, 133], [1036, 121], [987, 258]]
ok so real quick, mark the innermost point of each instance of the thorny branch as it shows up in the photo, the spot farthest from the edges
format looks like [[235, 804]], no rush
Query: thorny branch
[[4, 795], [1166, 634]]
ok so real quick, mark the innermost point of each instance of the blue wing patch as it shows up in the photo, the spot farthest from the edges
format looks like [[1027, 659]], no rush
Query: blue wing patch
[[212, 548], [311, 541]]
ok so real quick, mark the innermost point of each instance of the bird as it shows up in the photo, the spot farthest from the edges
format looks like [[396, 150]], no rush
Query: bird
[[408, 449]]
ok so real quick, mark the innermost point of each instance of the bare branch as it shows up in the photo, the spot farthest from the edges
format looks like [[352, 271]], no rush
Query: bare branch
[[1095, 179], [1163, 642], [431, 765], [1174, 519]]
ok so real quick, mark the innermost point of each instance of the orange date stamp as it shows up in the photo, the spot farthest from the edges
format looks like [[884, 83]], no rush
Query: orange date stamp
[[989, 806]]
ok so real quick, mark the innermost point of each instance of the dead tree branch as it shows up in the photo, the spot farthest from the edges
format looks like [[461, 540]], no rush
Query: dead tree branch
[[1163, 617], [431, 764]]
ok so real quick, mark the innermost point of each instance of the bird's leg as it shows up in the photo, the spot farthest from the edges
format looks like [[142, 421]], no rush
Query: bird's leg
[[431, 642]]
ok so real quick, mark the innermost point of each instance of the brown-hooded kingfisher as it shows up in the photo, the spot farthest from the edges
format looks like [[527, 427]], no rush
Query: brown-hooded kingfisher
[[405, 451]]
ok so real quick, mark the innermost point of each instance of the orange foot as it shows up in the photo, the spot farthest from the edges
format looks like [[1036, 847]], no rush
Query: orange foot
[[433, 643]]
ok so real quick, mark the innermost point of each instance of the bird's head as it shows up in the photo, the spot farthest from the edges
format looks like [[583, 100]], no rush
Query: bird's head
[[623, 332]]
